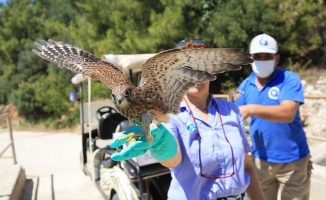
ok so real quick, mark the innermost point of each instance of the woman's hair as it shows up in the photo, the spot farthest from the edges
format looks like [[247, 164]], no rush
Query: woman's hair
[[190, 44]]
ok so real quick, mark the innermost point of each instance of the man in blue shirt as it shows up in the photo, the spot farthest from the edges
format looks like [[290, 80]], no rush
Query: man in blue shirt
[[271, 98]]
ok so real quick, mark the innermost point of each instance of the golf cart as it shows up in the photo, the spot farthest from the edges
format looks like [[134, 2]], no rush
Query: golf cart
[[138, 178]]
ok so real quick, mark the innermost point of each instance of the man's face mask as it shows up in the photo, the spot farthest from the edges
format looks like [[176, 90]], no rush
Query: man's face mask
[[263, 69]]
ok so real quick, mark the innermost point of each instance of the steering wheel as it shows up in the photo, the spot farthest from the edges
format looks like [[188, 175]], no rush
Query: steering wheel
[[104, 110]]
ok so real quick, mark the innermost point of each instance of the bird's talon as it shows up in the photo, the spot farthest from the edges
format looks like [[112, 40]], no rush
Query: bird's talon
[[131, 138]]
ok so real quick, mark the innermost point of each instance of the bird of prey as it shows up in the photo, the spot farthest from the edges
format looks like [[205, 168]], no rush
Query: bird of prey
[[166, 78]]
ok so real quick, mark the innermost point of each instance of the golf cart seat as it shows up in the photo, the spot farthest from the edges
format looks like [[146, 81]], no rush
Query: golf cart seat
[[108, 124]]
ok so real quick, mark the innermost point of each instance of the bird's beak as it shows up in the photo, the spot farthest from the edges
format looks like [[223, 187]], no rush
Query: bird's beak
[[120, 99]]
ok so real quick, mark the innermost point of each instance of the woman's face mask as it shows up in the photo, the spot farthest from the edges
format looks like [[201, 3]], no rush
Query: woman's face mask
[[263, 69]]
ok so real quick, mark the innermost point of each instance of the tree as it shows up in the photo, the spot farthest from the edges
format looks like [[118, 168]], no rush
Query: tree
[[22, 73], [46, 97], [294, 24], [142, 26]]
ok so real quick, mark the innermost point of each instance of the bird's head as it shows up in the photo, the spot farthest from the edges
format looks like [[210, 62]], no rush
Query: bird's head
[[122, 98]]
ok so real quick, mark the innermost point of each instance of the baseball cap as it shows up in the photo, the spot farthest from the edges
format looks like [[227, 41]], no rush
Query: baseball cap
[[263, 43]]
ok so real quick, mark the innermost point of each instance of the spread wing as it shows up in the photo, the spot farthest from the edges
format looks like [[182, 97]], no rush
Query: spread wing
[[171, 73], [82, 62]]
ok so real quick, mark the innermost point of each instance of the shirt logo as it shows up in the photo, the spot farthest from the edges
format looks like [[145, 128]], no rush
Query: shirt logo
[[263, 42], [274, 93]]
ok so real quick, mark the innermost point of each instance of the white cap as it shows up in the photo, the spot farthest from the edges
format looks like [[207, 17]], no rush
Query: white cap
[[263, 43]]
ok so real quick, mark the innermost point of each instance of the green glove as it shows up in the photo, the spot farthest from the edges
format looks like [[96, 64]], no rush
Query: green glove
[[163, 147]]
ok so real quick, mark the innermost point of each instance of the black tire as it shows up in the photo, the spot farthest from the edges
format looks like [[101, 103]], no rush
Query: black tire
[[109, 163]]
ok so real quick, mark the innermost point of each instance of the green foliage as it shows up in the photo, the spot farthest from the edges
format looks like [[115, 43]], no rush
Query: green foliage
[[45, 96], [100, 90], [21, 23], [300, 69], [140, 26], [296, 25]]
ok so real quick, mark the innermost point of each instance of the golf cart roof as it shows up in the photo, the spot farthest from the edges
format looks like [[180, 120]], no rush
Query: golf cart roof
[[123, 61]]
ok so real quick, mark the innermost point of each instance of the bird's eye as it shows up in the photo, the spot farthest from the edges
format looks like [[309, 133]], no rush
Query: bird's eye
[[127, 93]]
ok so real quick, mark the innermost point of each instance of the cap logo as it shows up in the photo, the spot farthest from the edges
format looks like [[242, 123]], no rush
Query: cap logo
[[263, 42]]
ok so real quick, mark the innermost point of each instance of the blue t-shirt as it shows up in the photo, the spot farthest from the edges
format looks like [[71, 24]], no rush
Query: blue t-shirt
[[275, 142], [216, 155]]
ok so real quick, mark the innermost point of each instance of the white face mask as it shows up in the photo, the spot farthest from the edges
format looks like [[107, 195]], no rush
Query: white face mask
[[263, 69]]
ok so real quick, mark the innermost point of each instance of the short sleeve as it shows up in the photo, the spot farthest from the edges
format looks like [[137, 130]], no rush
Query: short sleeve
[[292, 89], [172, 126], [241, 100], [243, 134]]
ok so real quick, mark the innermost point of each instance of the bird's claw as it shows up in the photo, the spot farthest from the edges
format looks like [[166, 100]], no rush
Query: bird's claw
[[131, 138]]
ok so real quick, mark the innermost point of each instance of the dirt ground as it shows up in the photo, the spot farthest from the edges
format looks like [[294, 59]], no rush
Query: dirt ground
[[52, 165]]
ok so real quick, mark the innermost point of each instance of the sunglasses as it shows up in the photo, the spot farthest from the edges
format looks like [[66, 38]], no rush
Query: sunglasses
[[194, 41]]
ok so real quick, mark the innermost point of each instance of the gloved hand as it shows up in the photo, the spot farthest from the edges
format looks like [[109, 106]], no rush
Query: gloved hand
[[163, 147]]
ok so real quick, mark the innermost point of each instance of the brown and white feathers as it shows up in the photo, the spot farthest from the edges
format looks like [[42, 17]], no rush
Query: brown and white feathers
[[166, 77]]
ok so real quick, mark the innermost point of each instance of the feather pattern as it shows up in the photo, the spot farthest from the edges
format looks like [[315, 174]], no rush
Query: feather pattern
[[82, 62], [173, 72], [166, 77]]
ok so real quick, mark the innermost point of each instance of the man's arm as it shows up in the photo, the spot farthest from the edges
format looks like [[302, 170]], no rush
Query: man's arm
[[254, 189], [285, 112]]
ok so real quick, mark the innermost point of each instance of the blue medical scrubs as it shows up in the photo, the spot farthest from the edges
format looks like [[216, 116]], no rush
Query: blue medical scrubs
[[216, 156]]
